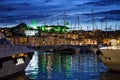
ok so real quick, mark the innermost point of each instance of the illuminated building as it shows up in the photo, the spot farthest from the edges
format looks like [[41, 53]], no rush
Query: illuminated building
[[31, 32], [53, 29], [25, 30], [54, 35]]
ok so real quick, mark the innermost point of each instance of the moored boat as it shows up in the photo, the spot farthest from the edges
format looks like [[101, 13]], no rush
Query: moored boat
[[110, 56], [13, 59]]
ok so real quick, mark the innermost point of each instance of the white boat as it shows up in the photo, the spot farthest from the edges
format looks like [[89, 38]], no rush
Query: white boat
[[110, 56], [13, 59]]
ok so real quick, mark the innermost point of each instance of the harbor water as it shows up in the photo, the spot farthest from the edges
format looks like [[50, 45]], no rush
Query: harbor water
[[57, 66]]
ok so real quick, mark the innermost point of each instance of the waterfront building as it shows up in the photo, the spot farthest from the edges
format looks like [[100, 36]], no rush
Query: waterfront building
[[23, 34]]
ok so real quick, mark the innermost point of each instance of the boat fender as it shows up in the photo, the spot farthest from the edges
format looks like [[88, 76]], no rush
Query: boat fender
[[15, 60], [99, 52], [24, 59], [30, 56], [1, 64]]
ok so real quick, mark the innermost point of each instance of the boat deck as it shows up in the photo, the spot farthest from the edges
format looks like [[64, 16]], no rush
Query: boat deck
[[8, 50]]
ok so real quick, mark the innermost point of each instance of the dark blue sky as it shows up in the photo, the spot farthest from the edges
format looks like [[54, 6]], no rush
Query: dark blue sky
[[13, 12]]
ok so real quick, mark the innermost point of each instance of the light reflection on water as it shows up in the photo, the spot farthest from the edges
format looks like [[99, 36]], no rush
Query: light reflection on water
[[56, 66], [32, 68]]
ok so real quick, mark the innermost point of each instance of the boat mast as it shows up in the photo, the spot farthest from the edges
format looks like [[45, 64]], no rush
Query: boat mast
[[78, 22], [106, 26], [92, 20], [57, 21], [78, 28], [51, 20], [44, 21], [64, 19], [75, 23], [93, 27], [115, 30], [101, 25], [6, 21]]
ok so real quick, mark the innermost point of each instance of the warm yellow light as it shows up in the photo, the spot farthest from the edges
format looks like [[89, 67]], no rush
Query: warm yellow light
[[20, 55], [118, 41], [13, 56], [26, 55]]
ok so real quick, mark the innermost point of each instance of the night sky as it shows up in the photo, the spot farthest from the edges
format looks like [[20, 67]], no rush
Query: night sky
[[13, 12]]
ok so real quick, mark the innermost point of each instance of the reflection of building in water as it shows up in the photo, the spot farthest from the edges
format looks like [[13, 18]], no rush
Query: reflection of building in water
[[56, 66], [67, 62], [45, 64], [49, 66]]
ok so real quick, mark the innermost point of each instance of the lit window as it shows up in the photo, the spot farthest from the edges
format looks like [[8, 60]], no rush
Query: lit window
[[20, 61]]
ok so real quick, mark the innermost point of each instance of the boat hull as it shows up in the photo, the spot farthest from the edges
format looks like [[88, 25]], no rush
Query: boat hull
[[111, 58], [10, 66]]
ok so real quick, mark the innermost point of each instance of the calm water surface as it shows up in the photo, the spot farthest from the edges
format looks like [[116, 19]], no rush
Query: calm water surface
[[57, 66]]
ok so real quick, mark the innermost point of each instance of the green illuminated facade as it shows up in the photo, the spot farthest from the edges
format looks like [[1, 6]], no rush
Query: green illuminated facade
[[50, 29], [56, 29], [23, 29]]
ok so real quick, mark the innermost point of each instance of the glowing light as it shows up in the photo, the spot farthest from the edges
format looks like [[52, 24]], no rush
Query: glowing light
[[20, 55], [34, 24], [49, 28], [13, 56]]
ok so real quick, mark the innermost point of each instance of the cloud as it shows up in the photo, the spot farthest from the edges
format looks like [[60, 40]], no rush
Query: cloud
[[103, 3], [38, 9], [112, 15], [7, 8], [48, 1]]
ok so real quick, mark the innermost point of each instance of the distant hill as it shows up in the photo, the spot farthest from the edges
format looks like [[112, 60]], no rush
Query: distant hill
[[19, 29]]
